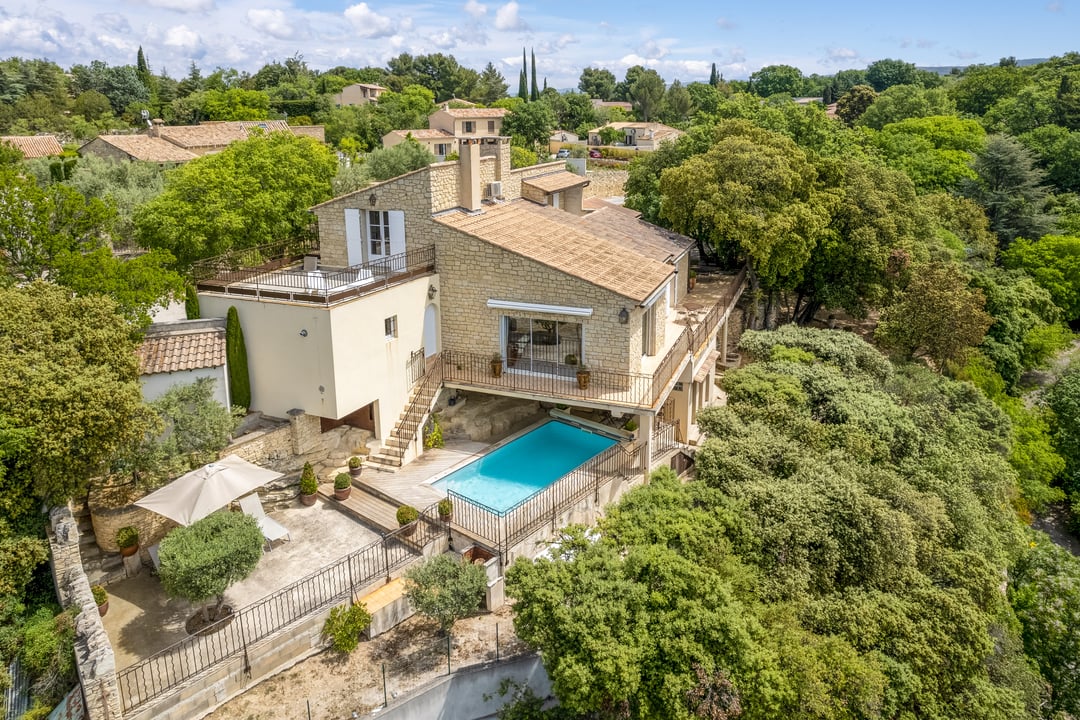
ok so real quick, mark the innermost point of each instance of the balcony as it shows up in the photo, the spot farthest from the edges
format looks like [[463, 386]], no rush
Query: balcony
[[692, 326], [277, 273]]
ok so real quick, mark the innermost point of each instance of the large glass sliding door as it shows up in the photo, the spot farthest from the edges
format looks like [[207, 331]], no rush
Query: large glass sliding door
[[542, 346]]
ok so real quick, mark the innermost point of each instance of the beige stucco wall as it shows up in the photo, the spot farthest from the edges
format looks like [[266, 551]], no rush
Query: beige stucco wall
[[157, 384], [445, 121], [343, 363]]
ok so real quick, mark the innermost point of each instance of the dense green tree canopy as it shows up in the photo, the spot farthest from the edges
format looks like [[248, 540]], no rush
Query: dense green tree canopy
[[1054, 262], [1009, 186], [597, 83], [252, 193]]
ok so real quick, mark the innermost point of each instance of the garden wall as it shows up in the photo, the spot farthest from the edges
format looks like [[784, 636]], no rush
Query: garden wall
[[606, 183]]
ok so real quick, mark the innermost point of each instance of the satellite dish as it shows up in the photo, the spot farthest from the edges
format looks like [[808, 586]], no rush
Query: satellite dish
[[145, 114]]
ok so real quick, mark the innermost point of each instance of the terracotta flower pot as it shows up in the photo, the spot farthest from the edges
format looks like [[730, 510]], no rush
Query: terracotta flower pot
[[103, 608], [583, 379], [343, 493], [308, 499], [409, 530], [355, 472], [129, 551]]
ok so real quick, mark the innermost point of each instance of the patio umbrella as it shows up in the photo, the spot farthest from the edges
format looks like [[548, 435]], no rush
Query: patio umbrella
[[195, 495]]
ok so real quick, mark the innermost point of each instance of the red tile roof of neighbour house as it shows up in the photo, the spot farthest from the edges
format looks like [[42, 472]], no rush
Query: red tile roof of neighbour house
[[218, 134], [143, 147], [556, 181], [174, 347], [475, 112], [549, 236], [35, 146], [423, 133]]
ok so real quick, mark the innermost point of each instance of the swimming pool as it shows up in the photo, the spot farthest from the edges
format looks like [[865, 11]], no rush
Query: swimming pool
[[509, 474]]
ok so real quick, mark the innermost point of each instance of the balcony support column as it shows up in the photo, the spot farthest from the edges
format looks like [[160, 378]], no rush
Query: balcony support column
[[723, 339], [648, 421]]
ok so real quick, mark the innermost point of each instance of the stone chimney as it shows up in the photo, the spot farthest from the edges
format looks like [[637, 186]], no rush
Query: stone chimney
[[469, 191], [155, 127]]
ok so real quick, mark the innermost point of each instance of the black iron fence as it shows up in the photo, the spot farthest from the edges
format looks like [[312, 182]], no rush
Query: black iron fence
[[237, 265], [160, 673], [506, 528], [664, 438]]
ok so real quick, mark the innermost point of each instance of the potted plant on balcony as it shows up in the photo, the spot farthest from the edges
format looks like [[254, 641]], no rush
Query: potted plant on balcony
[[101, 599], [342, 486], [309, 485], [446, 509], [496, 365], [406, 518], [127, 539], [583, 377], [356, 465], [570, 359]]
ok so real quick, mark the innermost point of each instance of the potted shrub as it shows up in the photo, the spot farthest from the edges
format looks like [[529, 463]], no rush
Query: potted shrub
[[496, 365], [570, 359], [693, 279], [342, 486], [356, 465], [406, 517], [101, 599], [127, 539], [309, 485], [583, 378], [446, 509]]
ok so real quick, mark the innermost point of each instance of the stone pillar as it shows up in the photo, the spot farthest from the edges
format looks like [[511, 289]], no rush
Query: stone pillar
[[94, 657], [469, 194], [647, 423], [723, 341]]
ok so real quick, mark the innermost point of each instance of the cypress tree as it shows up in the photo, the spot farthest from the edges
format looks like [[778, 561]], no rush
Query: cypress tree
[[191, 303], [535, 91], [714, 77], [523, 80], [236, 357]]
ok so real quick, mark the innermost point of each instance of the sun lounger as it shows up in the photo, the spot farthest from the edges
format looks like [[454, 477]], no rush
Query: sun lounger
[[271, 529]]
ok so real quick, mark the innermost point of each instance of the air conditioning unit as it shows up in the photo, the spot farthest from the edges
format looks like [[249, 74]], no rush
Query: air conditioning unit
[[495, 189]]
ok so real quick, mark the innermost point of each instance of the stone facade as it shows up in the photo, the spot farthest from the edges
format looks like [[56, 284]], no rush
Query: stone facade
[[94, 658], [472, 271], [606, 183]]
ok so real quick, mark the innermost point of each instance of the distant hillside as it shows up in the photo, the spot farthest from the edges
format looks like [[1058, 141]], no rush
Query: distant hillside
[[947, 69]]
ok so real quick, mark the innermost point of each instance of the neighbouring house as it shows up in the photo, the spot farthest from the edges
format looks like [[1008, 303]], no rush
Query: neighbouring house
[[165, 144], [419, 281], [142, 148], [35, 146], [640, 135], [602, 104], [358, 94], [447, 126], [564, 136], [179, 353]]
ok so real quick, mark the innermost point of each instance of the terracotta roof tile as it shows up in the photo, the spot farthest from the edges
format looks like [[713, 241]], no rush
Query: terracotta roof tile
[[218, 134], [556, 181], [545, 235], [625, 226], [35, 146], [467, 113], [187, 350], [423, 133], [143, 147]]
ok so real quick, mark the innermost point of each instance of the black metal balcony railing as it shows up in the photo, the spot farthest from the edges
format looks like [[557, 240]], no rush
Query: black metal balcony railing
[[282, 278]]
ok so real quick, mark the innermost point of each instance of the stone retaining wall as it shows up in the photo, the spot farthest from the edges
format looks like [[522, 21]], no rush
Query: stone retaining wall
[[94, 658], [606, 183]]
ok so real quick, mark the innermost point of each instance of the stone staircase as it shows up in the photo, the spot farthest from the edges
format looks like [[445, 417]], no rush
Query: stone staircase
[[414, 416], [101, 568]]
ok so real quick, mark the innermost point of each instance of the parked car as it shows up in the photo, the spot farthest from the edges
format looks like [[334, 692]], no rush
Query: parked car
[[563, 153], [594, 153]]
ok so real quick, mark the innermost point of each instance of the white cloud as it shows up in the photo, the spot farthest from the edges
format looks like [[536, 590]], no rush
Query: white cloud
[[1055, 7], [182, 37], [964, 54], [34, 35], [113, 21], [271, 22], [475, 9], [654, 49], [507, 18], [369, 23], [725, 23], [840, 55], [192, 6]]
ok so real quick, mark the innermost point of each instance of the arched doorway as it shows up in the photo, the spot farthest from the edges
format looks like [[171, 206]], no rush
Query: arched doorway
[[431, 330]]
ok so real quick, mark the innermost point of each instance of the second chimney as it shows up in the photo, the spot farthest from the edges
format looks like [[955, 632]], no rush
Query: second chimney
[[469, 195]]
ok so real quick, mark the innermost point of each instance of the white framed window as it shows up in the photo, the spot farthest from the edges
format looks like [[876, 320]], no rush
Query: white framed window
[[468, 126], [379, 232], [390, 326]]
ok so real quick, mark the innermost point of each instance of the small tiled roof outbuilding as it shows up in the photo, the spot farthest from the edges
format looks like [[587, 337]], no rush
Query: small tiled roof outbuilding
[[182, 345], [35, 146]]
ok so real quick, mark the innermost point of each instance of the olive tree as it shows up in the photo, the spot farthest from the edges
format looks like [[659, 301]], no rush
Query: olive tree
[[202, 560], [445, 589]]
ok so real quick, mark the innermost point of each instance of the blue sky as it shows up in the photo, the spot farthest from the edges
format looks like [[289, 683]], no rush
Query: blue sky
[[678, 39]]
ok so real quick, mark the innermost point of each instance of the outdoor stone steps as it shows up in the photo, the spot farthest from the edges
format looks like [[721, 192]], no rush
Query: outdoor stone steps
[[384, 461], [398, 442]]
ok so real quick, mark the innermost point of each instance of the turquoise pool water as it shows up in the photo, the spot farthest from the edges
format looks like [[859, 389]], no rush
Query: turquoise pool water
[[509, 474]]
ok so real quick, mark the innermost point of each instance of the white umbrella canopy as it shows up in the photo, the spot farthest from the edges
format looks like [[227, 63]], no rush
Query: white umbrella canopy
[[200, 492]]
